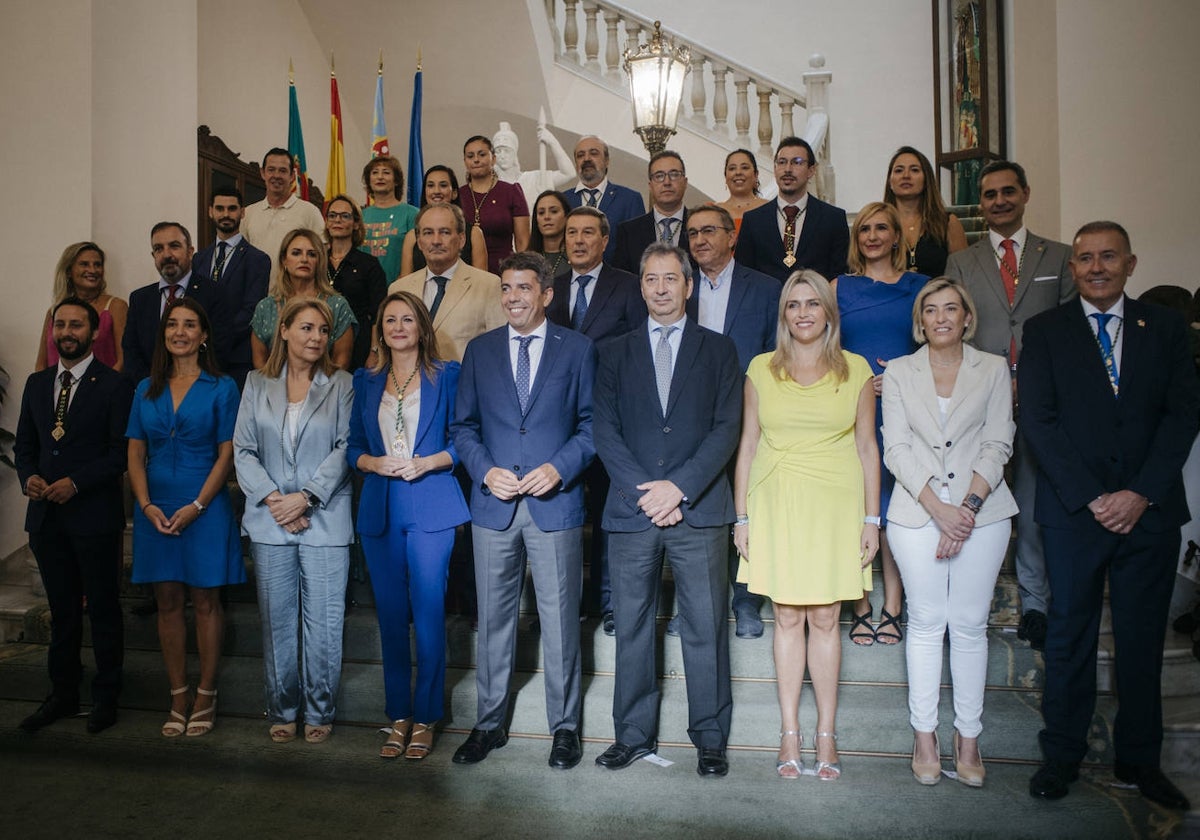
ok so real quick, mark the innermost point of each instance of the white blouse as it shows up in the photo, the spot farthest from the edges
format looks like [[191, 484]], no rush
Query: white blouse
[[387, 421]]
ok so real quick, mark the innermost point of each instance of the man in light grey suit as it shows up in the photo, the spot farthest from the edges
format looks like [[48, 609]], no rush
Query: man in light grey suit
[[1014, 274]]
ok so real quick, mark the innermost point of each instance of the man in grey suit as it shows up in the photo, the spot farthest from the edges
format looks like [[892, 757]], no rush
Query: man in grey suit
[[523, 428], [1014, 274], [668, 413]]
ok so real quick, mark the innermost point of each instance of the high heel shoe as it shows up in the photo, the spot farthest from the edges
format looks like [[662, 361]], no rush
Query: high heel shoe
[[201, 722], [927, 772], [281, 733], [421, 743], [793, 768], [971, 775], [397, 739], [828, 771], [176, 724]]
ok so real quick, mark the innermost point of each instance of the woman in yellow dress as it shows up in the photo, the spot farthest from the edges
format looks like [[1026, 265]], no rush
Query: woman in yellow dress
[[806, 493]]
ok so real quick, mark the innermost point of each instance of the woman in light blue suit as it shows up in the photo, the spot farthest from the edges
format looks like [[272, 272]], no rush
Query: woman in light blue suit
[[408, 511], [290, 455]]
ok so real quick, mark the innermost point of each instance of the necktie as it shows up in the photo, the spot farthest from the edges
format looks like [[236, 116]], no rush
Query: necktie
[[591, 197], [662, 365], [581, 302], [219, 265], [789, 234], [437, 299], [668, 227], [1106, 348], [523, 370], [60, 408], [1009, 271]]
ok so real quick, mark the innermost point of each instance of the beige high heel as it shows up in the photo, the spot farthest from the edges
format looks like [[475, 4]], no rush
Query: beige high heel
[[176, 724], [201, 722], [971, 775], [397, 739], [927, 772]]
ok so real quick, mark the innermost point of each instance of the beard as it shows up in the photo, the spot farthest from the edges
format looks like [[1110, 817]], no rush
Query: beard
[[72, 350]]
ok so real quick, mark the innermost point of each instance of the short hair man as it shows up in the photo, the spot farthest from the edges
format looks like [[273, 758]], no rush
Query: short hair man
[[1014, 274], [667, 177], [668, 408], [797, 230], [387, 217], [618, 203], [1109, 402], [241, 274], [267, 222], [525, 400], [70, 454]]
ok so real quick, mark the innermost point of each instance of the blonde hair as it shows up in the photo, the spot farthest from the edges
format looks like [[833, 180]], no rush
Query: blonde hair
[[934, 286], [283, 289], [855, 259], [274, 366], [64, 286], [831, 350]]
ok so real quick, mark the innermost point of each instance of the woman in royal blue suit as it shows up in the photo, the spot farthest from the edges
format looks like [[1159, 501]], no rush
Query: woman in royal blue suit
[[410, 506]]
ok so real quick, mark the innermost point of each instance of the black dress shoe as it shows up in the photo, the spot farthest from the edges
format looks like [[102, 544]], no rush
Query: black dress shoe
[[1052, 780], [478, 744], [1033, 629], [620, 756], [566, 752], [1152, 784], [610, 626], [102, 716], [749, 624], [52, 708], [712, 762]]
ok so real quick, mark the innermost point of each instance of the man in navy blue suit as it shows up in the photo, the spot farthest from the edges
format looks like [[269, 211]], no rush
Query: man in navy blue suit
[[618, 203], [797, 230], [668, 414], [666, 219], [523, 428], [1109, 404], [70, 454], [241, 274]]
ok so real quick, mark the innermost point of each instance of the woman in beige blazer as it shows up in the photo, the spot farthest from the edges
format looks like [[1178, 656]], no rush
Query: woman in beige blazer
[[947, 434]]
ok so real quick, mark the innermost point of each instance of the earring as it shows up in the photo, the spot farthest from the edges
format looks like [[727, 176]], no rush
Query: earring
[[895, 246], [203, 346]]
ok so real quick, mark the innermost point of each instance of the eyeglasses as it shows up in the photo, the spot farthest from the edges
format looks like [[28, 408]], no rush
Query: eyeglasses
[[660, 177], [796, 161], [706, 231], [340, 217]]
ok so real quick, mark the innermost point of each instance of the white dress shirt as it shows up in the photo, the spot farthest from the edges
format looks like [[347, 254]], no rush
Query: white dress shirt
[[77, 373], [594, 271], [674, 340], [781, 220], [431, 288], [1115, 331], [535, 350]]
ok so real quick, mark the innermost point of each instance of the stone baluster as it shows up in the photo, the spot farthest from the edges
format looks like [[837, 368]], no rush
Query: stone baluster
[[765, 128], [741, 118], [570, 31], [787, 127], [551, 15], [591, 38], [612, 52], [633, 35], [816, 88], [720, 98], [698, 92]]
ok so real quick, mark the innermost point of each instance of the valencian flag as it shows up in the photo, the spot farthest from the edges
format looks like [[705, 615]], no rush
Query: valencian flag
[[335, 181], [296, 139], [416, 159], [379, 135]]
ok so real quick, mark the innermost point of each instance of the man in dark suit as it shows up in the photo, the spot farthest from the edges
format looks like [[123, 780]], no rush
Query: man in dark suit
[[1109, 401], [171, 247], [742, 304], [666, 219], [523, 428], [797, 230], [668, 408], [70, 454], [1013, 274], [241, 274], [618, 203]]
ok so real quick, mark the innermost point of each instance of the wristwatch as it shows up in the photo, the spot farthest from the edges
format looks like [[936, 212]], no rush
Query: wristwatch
[[313, 502], [973, 503]]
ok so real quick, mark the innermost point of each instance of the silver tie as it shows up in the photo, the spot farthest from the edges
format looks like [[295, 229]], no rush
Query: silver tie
[[662, 365]]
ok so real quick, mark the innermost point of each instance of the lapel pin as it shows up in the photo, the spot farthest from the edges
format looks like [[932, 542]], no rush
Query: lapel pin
[[1141, 322]]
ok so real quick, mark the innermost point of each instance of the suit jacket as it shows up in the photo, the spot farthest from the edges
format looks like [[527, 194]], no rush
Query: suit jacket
[[752, 315], [616, 305], [490, 429], [1045, 282], [977, 436], [1089, 441], [690, 445], [823, 244], [619, 204], [632, 238], [437, 493], [360, 280], [317, 463], [92, 452], [145, 314], [243, 283], [471, 306]]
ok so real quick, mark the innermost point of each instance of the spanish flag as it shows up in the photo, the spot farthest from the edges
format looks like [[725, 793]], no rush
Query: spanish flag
[[335, 181]]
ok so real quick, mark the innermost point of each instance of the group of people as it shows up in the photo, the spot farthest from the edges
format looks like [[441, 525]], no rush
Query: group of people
[[749, 391]]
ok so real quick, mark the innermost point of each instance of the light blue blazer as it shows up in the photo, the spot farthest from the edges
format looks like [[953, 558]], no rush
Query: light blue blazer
[[317, 463]]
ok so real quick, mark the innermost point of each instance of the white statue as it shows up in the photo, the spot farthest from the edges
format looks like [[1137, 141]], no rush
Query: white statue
[[535, 182]]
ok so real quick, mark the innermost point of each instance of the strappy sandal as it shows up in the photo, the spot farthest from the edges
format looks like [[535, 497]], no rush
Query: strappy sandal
[[793, 768], [281, 733], [397, 739], [828, 771], [201, 722], [176, 724], [318, 734], [862, 638], [888, 637], [421, 743]]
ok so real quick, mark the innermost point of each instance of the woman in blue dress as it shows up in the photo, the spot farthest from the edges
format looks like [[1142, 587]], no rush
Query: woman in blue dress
[[876, 302], [185, 540]]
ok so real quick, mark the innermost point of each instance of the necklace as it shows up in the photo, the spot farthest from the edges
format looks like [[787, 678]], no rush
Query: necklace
[[399, 441], [558, 258], [476, 203]]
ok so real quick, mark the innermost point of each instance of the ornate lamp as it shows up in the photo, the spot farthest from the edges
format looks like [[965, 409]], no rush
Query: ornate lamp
[[656, 71]]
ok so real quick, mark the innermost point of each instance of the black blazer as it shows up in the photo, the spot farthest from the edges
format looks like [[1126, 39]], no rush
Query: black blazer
[[823, 246], [690, 446], [752, 314], [632, 238], [92, 452], [1088, 441], [360, 280], [616, 305], [243, 283], [145, 314]]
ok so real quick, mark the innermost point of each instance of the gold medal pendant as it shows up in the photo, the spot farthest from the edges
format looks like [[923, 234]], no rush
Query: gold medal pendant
[[58, 431], [789, 260]]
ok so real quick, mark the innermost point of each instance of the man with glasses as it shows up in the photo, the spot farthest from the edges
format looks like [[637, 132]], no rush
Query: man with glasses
[[666, 219], [797, 230]]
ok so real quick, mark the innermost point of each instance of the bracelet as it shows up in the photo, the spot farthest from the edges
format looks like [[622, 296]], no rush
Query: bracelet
[[201, 508], [973, 503], [741, 519], [872, 520], [146, 506]]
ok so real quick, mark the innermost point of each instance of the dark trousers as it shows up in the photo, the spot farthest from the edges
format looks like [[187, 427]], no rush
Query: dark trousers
[[1140, 569], [73, 567], [596, 483]]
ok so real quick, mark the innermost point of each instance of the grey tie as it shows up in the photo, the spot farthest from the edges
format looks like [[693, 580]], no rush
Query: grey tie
[[668, 226], [581, 302], [523, 371], [662, 365], [591, 197]]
